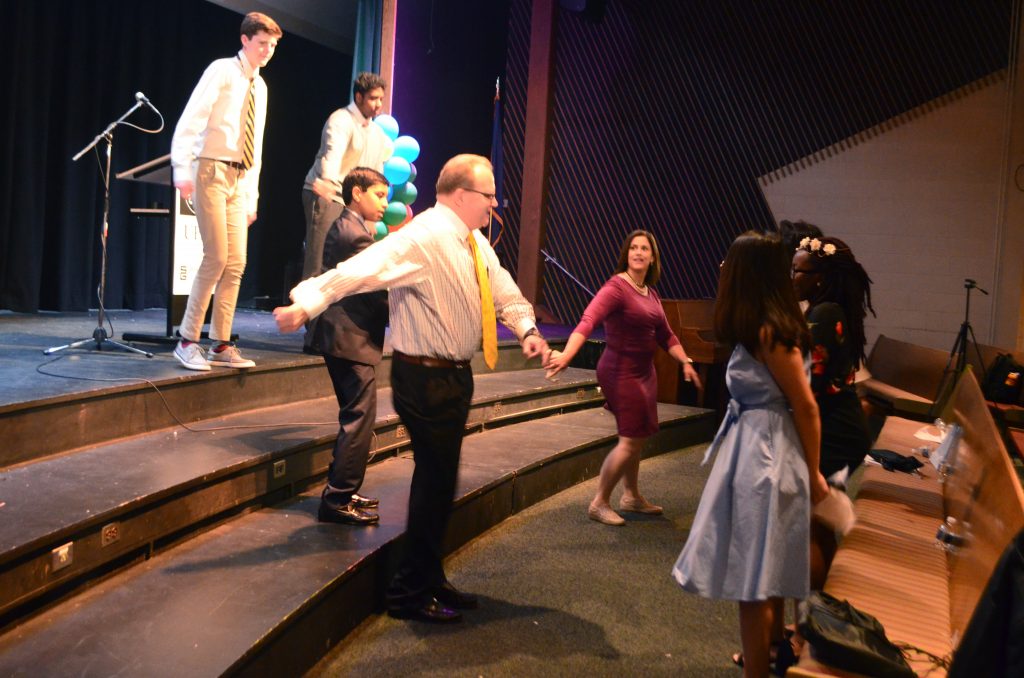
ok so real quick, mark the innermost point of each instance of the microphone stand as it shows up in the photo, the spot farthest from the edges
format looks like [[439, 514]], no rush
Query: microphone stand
[[958, 354], [548, 257], [99, 335]]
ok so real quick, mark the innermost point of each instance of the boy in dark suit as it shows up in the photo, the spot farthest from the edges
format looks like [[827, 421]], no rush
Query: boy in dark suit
[[350, 335]]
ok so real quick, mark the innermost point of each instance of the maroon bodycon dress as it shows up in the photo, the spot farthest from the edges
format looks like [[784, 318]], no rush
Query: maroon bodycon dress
[[634, 326]]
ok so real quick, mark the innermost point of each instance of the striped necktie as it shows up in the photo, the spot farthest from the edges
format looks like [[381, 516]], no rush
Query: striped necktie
[[490, 323], [248, 145]]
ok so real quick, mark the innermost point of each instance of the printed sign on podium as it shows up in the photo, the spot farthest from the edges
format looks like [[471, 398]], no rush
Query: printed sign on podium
[[186, 246]]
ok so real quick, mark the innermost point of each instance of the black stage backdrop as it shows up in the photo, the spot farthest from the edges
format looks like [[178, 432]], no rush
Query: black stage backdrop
[[73, 67], [448, 56]]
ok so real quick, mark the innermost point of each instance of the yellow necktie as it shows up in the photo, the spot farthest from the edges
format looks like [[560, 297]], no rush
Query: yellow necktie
[[248, 147], [490, 323]]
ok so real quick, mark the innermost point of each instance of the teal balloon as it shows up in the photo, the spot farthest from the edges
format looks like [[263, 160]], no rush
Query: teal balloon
[[412, 173], [380, 231], [395, 213], [388, 124], [406, 193], [407, 147], [397, 170], [391, 192]]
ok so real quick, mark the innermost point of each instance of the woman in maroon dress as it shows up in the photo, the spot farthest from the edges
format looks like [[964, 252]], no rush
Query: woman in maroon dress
[[635, 325]]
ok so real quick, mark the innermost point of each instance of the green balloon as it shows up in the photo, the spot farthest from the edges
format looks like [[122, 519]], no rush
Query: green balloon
[[406, 193], [381, 231], [395, 213]]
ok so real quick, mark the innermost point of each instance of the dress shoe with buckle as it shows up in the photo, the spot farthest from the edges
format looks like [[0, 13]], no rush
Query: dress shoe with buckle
[[640, 505], [449, 596], [362, 502], [346, 515], [432, 612], [605, 514]]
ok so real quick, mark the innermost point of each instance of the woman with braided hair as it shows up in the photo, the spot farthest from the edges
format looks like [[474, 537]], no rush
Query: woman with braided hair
[[838, 289]]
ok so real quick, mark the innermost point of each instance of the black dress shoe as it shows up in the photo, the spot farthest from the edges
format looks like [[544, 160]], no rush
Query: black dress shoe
[[346, 515], [362, 502], [450, 596], [431, 612]]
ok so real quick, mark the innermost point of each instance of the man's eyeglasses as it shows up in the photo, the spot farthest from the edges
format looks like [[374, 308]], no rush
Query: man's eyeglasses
[[489, 196]]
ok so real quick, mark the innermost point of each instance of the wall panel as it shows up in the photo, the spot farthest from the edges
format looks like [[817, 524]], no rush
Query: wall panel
[[666, 113]]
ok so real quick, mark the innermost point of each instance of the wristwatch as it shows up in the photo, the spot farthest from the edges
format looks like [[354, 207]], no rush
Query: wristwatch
[[533, 332], [688, 360]]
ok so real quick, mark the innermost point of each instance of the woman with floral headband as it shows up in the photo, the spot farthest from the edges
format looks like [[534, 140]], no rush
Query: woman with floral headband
[[838, 289]]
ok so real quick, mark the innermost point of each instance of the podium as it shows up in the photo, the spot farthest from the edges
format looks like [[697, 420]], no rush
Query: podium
[[186, 245], [692, 320]]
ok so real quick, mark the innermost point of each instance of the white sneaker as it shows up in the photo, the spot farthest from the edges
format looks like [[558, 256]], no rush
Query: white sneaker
[[192, 356], [229, 357]]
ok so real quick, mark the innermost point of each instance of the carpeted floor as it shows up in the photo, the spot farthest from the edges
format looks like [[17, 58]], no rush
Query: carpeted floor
[[564, 596]]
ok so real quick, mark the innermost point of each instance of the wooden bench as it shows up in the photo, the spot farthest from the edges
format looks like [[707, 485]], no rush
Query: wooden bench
[[890, 564], [904, 379]]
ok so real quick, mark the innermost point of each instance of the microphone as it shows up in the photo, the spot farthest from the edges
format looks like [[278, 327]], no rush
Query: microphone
[[143, 99]]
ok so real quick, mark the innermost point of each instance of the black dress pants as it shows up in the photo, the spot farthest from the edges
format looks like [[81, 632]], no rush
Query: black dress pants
[[355, 386], [433, 403]]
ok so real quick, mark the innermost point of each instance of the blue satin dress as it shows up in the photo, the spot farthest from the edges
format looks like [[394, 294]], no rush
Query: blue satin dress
[[750, 537]]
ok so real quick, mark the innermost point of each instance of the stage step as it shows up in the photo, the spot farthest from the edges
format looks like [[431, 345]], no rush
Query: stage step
[[118, 397], [271, 592], [70, 518]]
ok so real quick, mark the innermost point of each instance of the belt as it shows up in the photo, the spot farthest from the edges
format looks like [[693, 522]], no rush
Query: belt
[[230, 163], [429, 362], [732, 415]]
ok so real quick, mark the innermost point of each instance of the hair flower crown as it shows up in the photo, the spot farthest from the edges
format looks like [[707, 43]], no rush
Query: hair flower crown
[[814, 245]]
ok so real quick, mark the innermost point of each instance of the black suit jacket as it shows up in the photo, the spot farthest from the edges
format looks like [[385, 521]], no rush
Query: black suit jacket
[[352, 328]]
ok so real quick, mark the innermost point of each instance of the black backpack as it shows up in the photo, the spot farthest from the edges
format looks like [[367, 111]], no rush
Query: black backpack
[[1004, 380]]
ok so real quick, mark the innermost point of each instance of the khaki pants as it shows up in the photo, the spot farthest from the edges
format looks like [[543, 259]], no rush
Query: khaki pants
[[220, 210]]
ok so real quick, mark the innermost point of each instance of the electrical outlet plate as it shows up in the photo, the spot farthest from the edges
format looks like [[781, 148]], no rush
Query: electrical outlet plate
[[62, 556], [110, 533], [280, 467]]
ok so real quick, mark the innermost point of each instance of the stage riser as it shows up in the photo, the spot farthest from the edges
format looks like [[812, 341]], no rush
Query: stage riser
[[36, 430], [297, 643], [296, 646], [142, 531], [270, 592], [536, 484], [26, 573], [42, 431]]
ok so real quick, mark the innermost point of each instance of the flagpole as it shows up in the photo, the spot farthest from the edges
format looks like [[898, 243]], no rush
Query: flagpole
[[497, 161]]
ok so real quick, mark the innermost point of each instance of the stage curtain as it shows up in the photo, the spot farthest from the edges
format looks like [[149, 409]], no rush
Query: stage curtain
[[74, 66], [366, 56]]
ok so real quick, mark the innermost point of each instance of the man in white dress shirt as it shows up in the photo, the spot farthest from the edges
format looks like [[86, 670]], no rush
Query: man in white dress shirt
[[436, 327], [216, 154], [348, 140]]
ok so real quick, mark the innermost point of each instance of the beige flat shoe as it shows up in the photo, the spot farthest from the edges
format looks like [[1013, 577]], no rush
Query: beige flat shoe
[[604, 514], [642, 506]]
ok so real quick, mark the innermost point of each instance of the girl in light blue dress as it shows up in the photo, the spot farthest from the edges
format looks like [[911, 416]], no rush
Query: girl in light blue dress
[[750, 538]]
